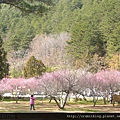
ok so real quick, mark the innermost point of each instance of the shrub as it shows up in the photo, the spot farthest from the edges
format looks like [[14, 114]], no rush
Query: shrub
[[33, 68]]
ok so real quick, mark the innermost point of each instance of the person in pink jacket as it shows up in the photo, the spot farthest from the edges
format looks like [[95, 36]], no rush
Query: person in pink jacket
[[32, 102]]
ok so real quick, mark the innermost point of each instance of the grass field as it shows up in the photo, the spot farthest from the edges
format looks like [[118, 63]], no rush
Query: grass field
[[45, 106]]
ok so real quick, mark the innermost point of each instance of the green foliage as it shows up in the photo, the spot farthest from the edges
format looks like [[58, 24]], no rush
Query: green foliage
[[17, 29], [34, 68], [15, 73], [98, 64], [51, 69], [4, 66], [114, 62], [20, 30], [94, 26], [30, 6], [97, 31]]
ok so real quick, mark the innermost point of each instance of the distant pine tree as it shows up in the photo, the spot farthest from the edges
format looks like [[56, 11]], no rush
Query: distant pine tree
[[4, 66], [34, 68]]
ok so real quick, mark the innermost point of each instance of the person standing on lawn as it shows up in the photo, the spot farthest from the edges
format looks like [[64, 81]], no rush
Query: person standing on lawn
[[32, 102]]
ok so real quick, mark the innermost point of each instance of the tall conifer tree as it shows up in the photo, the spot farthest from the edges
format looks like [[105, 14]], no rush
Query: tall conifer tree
[[4, 66]]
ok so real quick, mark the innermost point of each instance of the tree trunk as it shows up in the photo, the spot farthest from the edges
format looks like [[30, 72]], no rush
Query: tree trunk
[[1, 97], [61, 106], [84, 98], [104, 99], [50, 99], [76, 98], [16, 99], [95, 100]]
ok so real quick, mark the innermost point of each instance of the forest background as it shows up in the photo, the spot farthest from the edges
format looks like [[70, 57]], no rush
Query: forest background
[[73, 34]]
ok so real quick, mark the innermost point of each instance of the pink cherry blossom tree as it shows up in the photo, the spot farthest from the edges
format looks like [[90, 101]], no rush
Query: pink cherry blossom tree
[[29, 85], [103, 84], [93, 86], [48, 85], [18, 86], [61, 83], [12, 85], [110, 82]]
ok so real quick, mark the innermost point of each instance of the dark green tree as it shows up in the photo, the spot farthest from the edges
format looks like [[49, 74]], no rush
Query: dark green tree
[[29, 6], [4, 66], [97, 31], [94, 26], [34, 68]]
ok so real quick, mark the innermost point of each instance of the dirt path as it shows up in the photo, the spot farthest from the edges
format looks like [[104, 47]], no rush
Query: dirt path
[[23, 107], [97, 108]]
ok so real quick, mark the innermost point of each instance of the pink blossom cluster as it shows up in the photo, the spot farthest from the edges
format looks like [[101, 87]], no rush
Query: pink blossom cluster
[[64, 80]]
